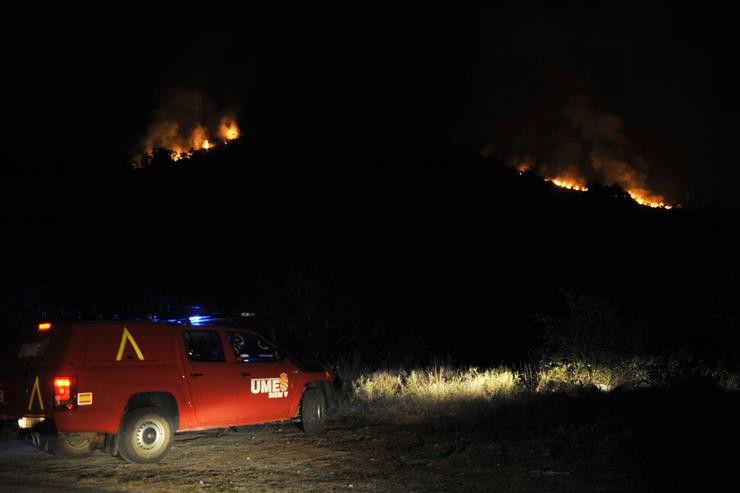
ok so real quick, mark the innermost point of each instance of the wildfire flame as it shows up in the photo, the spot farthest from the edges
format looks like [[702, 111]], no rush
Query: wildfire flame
[[645, 197], [199, 138], [639, 194], [569, 183], [228, 129], [178, 152], [593, 147], [168, 135]]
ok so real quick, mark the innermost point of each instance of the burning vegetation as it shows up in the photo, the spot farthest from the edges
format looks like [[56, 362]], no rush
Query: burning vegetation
[[228, 129], [629, 180], [569, 183], [184, 122], [631, 184], [639, 194], [587, 146], [182, 142], [574, 146]]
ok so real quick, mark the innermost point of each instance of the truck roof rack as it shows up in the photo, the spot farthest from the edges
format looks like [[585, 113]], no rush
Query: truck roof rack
[[199, 319], [182, 315]]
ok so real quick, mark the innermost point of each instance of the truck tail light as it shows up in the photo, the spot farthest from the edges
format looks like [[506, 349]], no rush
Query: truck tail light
[[65, 393]]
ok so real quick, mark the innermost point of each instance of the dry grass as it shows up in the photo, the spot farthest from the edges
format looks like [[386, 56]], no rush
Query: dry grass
[[444, 389], [435, 390]]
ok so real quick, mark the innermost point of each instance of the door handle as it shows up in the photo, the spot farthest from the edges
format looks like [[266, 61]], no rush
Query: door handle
[[196, 374], [245, 374]]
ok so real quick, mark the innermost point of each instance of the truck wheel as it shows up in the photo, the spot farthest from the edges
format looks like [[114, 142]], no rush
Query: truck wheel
[[313, 411], [145, 435], [72, 445]]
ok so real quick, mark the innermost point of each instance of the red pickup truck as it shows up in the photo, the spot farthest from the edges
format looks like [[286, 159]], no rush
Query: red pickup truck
[[127, 387]]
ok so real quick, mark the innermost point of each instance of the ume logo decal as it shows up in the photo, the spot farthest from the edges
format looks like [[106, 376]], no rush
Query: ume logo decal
[[275, 388]]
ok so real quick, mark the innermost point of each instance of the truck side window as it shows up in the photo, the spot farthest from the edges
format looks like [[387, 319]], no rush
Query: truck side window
[[249, 349], [203, 346]]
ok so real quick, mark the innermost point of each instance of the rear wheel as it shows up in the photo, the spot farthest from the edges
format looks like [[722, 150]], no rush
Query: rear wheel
[[72, 445], [146, 435], [313, 411]]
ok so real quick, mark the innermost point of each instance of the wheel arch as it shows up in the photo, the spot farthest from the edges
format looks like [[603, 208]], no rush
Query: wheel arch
[[163, 400], [327, 390]]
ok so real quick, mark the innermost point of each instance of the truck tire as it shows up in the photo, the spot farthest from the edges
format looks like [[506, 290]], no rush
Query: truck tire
[[313, 411], [146, 435], [72, 445]]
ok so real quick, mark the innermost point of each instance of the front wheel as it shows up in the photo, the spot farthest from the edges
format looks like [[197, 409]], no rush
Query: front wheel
[[313, 411], [146, 435], [72, 445]]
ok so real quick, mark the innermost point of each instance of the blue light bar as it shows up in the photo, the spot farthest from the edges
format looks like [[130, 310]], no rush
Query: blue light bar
[[199, 319]]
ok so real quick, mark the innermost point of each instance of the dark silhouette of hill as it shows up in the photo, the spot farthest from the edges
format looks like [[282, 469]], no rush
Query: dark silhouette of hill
[[446, 246]]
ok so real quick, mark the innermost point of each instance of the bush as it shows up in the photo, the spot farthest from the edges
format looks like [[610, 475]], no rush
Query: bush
[[593, 331]]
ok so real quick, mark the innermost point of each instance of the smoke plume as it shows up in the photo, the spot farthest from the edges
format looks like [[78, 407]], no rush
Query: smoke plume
[[185, 122], [580, 145]]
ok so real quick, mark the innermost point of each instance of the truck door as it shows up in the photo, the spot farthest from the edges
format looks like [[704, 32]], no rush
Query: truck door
[[266, 383], [212, 381]]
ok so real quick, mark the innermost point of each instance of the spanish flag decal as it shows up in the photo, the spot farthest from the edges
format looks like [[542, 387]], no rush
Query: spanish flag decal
[[84, 398]]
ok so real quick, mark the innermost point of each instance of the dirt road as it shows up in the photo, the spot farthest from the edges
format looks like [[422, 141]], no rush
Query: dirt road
[[351, 456]]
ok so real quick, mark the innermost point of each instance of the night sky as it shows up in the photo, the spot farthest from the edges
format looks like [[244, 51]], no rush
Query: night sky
[[350, 106], [365, 77]]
